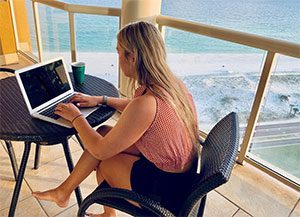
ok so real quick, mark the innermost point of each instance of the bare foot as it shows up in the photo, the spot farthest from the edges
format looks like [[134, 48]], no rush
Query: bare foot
[[53, 195]]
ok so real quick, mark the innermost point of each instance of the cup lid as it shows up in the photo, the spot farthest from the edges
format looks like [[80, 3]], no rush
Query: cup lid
[[78, 64]]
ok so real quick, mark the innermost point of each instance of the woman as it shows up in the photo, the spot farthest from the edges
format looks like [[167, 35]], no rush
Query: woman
[[151, 148]]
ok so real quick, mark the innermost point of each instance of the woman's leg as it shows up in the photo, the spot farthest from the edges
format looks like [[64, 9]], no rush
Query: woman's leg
[[116, 172], [86, 164]]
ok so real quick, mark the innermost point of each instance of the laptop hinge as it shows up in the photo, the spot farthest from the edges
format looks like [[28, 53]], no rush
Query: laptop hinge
[[56, 102]]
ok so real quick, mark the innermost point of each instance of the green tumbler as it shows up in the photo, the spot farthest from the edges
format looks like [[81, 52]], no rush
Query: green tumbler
[[78, 69]]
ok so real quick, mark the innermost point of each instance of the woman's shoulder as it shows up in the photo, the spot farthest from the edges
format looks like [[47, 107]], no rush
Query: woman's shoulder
[[145, 103], [146, 99]]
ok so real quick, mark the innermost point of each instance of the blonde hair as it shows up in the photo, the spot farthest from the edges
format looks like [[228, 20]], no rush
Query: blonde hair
[[145, 42]]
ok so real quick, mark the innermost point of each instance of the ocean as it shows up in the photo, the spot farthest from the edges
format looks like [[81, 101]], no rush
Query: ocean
[[272, 18]]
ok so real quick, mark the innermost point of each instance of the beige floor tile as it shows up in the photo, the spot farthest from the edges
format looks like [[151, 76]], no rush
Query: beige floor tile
[[48, 153], [46, 177], [7, 182], [259, 194], [3, 152], [6, 193], [26, 208], [241, 213], [296, 211], [72, 211], [51, 175], [5, 166], [218, 206]]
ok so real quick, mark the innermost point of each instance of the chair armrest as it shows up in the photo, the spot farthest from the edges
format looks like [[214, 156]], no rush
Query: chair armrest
[[118, 198], [201, 141]]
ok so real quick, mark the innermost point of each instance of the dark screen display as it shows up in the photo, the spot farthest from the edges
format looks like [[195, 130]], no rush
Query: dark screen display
[[45, 83]]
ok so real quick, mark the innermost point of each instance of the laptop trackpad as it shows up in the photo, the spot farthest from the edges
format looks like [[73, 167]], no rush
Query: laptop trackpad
[[87, 111]]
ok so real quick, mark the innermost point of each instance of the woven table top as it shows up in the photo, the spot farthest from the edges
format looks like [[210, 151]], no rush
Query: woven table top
[[16, 124]]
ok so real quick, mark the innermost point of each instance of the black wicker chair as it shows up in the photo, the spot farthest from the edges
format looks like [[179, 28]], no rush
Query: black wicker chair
[[217, 160]]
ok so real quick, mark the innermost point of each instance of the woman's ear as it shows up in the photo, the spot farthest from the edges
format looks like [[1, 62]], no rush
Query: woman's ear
[[131, 57]]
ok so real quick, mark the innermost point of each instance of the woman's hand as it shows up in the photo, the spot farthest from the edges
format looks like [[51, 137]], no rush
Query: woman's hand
[[67, 110], [83, 100]]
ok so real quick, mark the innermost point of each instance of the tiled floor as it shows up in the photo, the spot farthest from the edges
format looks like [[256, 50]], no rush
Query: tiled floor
[[249, 191]]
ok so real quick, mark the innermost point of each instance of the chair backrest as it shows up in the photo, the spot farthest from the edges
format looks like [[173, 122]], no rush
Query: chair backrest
[[217, 160]]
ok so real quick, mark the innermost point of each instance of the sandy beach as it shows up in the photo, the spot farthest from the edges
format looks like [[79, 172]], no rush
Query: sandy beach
[[185, 64]]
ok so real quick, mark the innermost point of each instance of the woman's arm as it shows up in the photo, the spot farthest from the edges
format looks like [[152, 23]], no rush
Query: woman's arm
[[132, 124], [117, 103], [83, 100]]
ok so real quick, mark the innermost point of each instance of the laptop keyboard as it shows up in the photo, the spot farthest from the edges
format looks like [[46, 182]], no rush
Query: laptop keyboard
[[49, 112]]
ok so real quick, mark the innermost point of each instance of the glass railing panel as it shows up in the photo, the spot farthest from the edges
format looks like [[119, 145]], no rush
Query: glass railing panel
[[277, 135], [55, 36], [30, 19], [96, 39], [222, 76]]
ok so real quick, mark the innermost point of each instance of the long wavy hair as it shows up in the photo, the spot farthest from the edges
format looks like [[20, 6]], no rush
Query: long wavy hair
[[145, 42]]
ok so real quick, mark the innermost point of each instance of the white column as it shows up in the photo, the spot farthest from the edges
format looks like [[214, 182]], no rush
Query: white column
[[133, 10]]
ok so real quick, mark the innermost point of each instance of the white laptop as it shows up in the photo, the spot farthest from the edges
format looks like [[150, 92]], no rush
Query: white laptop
[[43, 86]]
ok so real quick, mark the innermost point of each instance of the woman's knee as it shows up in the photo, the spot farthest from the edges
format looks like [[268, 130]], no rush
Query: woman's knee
[[107, 166], [116, 170], [104, 129]]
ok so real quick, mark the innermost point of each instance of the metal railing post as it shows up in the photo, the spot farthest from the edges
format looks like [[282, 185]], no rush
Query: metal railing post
[[162, 30], [72, 37], [12, 11], [37, 30], [269, 64]]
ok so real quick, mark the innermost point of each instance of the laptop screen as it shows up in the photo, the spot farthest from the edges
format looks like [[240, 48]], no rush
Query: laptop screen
[[45, 82]]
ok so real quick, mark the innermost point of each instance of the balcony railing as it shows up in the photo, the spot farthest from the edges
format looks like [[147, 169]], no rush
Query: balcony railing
[[273, 47], [71, 9]]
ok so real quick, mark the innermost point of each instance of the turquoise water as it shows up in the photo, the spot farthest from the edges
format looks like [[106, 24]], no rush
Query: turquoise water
[[272, 18]]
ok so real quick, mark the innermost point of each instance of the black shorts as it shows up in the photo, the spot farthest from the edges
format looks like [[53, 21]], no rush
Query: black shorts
[[167, 188]]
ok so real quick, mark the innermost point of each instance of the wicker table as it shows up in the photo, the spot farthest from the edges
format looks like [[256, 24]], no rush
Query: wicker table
[[17, 125]]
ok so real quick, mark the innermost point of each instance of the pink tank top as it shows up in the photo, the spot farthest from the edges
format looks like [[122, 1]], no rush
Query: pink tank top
[[165, 143]]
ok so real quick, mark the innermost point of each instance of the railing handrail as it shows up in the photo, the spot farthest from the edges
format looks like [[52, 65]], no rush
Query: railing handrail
[[265, 43], [51, 3], [81, 9], [86, 9]]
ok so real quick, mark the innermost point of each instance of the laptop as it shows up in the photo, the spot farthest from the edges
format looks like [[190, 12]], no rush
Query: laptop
[[43, 86]]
